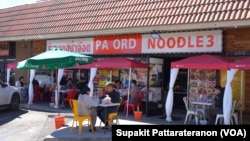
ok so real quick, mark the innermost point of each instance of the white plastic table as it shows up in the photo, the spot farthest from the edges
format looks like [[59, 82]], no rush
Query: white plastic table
[[205, 103]]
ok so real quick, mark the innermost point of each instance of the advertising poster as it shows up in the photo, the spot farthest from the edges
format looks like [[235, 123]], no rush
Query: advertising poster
[[104, 77], [155, 80], [202, 82]]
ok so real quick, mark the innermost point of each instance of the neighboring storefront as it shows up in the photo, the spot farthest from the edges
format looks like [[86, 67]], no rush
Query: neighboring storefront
[[7, 54]]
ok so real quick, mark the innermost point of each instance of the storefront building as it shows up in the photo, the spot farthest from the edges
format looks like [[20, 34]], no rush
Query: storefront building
[[124, 28]]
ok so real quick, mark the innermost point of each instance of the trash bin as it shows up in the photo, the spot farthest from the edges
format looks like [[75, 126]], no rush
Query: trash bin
[[138, 115], [59, 121]]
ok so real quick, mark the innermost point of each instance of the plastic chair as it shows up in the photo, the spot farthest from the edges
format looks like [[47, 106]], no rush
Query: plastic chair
[[198, 108], [113, 116], [234, 114], [133, 106], [70, 95], [42, 93], [220, 117], [74, 106], [36, 93], [190, 111]]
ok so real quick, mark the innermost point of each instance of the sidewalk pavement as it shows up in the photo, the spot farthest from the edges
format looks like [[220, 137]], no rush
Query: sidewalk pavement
[[62, 134]]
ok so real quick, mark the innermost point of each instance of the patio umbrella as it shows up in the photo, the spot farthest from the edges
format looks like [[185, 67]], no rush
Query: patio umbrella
[[55, 58], [201, 62]]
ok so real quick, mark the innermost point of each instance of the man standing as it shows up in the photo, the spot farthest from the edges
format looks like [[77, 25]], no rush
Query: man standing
[[115, 98]]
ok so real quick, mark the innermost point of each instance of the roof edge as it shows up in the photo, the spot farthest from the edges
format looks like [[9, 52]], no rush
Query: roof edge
[[134, 30]]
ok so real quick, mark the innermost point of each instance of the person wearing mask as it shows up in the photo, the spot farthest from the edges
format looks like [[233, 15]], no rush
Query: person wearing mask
[[115, 98], [21, 85], [87, 105], [133, 91], [218, 104]]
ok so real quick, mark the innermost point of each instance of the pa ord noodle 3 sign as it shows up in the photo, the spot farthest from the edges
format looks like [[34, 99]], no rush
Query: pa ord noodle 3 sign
[[196, 132], [177, 42]]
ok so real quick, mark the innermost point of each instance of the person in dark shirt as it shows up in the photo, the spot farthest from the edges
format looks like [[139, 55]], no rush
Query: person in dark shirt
[[218, 104], [81, 83], [35, 82], [115, 98]]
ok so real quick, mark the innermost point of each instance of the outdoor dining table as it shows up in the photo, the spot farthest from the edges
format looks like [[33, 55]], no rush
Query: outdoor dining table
[[105, 109], [205, 103]]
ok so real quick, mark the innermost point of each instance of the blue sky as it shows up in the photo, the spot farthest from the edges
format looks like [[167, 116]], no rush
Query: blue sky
[[12, 3]]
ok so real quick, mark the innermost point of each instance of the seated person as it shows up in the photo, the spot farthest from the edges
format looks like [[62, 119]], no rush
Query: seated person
[[218, 105], [115, 98], [87, 106], [133, 91]]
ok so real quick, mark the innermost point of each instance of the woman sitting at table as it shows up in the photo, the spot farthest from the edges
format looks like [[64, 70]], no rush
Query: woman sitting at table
[[218, 104], [87, 106]]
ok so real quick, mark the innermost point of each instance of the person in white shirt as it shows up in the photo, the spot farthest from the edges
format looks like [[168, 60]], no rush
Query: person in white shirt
[[87, 105], [21, 85]]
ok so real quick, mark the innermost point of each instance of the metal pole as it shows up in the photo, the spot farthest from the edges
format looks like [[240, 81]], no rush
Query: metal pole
[[241, 93], [128, 90]]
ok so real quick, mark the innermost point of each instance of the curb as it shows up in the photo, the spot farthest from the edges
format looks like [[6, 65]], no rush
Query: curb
[[36, 107]]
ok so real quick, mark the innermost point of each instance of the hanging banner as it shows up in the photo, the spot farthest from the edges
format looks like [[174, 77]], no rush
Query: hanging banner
[[82, 46], [128, 44], [184, 42], [4, 48]]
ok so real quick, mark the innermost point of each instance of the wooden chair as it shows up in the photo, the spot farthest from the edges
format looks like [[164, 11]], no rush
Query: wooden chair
[[77, 118], [132, 106], [113, 116]]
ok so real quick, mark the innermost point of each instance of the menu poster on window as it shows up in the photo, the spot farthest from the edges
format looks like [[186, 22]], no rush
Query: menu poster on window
[[202, 81]]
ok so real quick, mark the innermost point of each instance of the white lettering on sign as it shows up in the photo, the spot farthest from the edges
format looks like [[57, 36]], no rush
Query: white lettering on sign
[[124, 44], [82, 46], [200, 41], [117, 44], [102, 45]]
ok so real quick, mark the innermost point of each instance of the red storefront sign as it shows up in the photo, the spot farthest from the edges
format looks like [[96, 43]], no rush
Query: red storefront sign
[[4, 48], [129, 44]]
